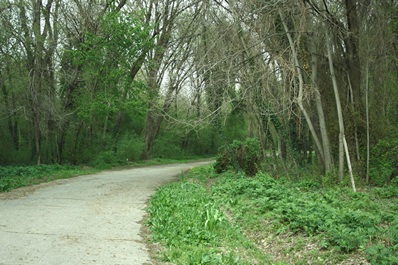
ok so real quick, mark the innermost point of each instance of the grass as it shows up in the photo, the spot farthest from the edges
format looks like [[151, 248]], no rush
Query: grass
[[193, 229], [258, 219], [13, 177]]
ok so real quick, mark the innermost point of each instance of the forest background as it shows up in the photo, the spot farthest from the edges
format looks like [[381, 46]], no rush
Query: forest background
[[94, 82]]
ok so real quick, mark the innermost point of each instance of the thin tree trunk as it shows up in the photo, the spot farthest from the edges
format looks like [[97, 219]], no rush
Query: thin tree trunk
[[15, 128], [36, 83], [338, 106], [367, 123], [76, 141], [154, 118], [301, 89], [352, 51], [354, 120], [7, 106], [321, 116], [349, 164], [105, 128]]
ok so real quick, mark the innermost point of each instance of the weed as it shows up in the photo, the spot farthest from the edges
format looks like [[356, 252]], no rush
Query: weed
[[340, 220], [189, 223], [296, 222], [12, 177]]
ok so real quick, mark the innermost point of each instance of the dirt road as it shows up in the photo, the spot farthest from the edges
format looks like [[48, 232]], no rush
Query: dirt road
[[84, 220]]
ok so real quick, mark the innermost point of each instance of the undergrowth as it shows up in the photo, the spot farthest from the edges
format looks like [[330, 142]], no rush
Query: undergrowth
[[12, 177], [193, 229], [326, 225]]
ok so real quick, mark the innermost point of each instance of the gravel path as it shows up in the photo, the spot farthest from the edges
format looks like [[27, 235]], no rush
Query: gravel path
[[92, 219]]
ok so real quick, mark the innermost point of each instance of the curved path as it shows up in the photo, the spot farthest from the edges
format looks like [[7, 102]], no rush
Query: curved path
[[93, 219]]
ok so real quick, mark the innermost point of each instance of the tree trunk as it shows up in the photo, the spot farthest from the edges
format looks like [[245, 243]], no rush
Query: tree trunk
[[153, 123], [133, 73], [338, 107], [155, 74], [301, 89], [354, 68], [321, 116], [352, 51], [367, 123], [152, 126], [347, 153], [8, 110]]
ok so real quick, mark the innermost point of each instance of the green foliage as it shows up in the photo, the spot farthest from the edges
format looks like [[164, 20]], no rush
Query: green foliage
[[185, 219], [106, 160], [243, 155], [235, 125], [121, 38], [382, 255], [185, 209], [200, 142], [384, 161], [106, 103], [106, 58], [129, 148], [12, 177], [342, 220], [167, 145]]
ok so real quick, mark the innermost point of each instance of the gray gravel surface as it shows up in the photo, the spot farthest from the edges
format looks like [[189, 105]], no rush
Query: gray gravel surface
[[92, 219]]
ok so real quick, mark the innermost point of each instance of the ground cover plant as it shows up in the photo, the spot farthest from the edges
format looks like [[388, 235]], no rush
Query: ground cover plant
[[12, 177], [194, 230], [295, 222]]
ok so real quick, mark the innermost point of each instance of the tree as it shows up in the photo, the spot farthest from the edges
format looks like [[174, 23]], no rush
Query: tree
[[163, 56]]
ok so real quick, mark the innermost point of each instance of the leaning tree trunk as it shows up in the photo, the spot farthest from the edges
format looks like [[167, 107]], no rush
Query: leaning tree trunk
[[342, 141], [321, 116], [297, 68]]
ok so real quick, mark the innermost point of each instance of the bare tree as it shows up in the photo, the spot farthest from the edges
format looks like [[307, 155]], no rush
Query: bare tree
[[165, 16]]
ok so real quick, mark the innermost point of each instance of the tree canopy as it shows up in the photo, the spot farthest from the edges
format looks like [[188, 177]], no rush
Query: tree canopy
[[315, 82]]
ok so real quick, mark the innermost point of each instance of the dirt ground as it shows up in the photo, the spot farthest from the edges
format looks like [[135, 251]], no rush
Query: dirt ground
[[93, 219]]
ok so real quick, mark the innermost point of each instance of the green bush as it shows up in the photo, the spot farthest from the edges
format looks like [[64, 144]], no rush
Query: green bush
[[167, 145], [130, 147], [105, 160], [384, 161], [240, 155]]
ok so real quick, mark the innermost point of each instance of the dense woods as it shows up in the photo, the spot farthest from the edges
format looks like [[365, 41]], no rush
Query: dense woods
[[315, 82]]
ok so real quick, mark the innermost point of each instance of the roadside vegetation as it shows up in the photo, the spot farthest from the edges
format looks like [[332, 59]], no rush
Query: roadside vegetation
[[192, 228], [228, 218], [300, 97], [13, 177]]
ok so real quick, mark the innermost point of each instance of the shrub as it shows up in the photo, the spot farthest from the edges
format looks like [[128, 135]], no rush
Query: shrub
[[130, 147], [106, 160], [240, 155], [384, 161]]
